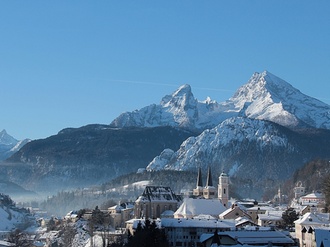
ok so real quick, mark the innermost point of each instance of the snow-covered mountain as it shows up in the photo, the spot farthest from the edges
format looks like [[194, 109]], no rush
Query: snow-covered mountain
[[264, 97], [268, 97], [179, 109], [9, 145], [253, 152], [259, 136]]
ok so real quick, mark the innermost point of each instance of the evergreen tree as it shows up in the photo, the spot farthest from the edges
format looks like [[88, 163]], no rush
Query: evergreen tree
[[289, 216], [148, 235], [326, 191]]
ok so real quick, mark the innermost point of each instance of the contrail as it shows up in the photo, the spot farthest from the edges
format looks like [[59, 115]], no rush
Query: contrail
[[171, 85], [145, 82]]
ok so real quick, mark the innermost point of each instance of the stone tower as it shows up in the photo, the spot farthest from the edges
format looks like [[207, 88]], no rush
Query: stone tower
[[198, 191], [223, 189], [209, 191]]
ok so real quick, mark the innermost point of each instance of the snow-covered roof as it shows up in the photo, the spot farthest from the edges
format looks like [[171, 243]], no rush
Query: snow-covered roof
[[192, 207], [313, 219], [262, 208], [5, 243], [269, 217], [253, 237], [167, 213], [116, 207], [243, 220], [198, 223], [314, 195]]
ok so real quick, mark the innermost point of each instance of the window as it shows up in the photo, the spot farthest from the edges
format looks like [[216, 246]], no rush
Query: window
[[224, 191]]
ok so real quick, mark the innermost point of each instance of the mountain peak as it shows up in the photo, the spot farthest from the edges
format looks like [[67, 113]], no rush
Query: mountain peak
[[266, 96], [6, 139], [182, 95], [3, 132]]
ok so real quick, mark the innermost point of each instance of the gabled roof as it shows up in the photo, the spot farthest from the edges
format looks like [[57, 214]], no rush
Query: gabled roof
[[313, 219], [198, 223], [192, 207], [258, 237], [158, 193]]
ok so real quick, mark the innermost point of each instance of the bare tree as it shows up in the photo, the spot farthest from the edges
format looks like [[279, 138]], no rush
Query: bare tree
[[19, 239], [68, 233]]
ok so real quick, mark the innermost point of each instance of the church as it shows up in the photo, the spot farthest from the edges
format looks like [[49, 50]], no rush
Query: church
[[209, 191], [206, 201]]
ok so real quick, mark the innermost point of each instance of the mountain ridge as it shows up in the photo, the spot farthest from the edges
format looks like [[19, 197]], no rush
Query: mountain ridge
[[265, 97], [267, 129]]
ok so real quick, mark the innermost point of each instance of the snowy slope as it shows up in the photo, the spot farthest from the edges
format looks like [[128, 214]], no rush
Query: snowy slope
[[179, 109], [210, 147], [268, 97], [247, 149], [9, 145], [264, 97]]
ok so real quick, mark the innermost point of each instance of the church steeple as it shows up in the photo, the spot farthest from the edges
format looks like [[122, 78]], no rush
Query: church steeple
[[209, 178], [199, 178], [209, 190], [198, 191]]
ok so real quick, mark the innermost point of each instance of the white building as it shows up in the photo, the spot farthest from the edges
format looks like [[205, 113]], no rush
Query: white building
[[270, 218], [187, 232], [307, 222], [192, 207], [252, 237], [312, 199], [223, 189]]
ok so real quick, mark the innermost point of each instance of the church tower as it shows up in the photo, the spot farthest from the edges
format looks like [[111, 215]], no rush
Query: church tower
[[223, 189], [199, 187], [209, 190], [299, 190]]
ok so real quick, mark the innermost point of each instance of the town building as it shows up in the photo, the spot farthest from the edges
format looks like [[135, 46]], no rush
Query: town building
[[192, 207], [154, 201], [187, 232], [234, 212], [313, 199], [271, 218], [119, 214], [299, 190], [254, 236], [305, 224]]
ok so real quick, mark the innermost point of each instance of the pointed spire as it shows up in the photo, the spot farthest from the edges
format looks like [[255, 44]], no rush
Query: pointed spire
[[199, 178], [215, 239], [209, 178]]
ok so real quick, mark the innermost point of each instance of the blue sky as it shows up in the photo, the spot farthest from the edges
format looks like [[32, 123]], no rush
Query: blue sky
[[72, 63]]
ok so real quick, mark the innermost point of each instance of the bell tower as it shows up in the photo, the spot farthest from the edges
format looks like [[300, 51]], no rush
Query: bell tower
[[209, 191], [223, 189], [199, 187]]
